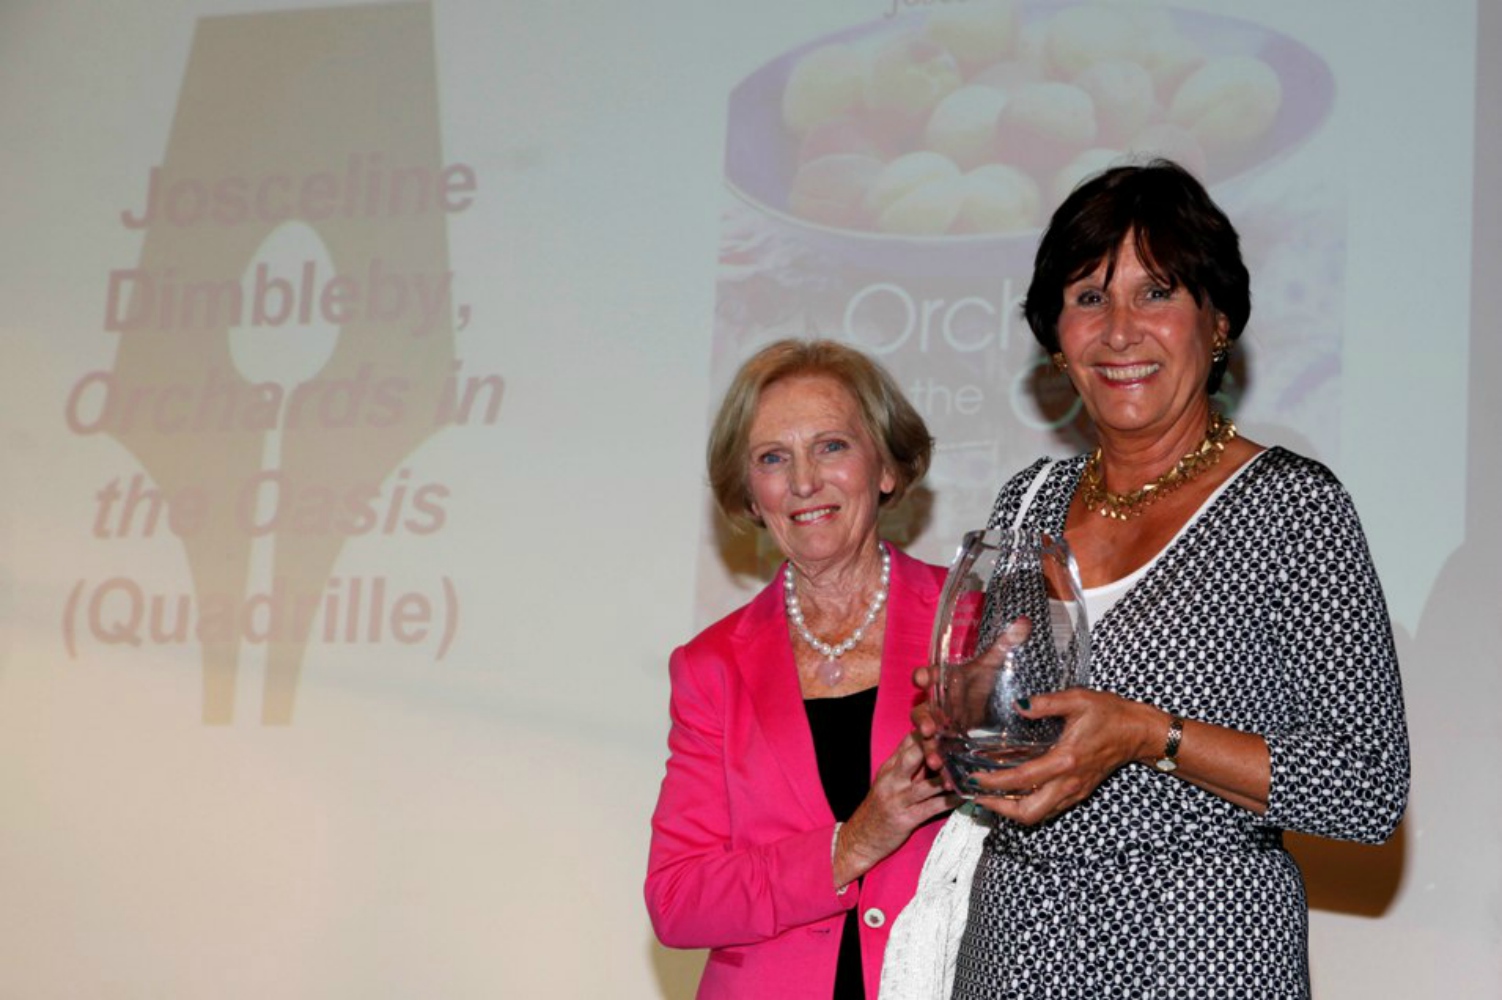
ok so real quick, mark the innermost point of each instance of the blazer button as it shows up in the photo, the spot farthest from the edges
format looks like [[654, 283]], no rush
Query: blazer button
[[874, 917]]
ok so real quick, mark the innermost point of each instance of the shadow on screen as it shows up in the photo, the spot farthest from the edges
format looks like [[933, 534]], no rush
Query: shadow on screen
[[1361, 880]]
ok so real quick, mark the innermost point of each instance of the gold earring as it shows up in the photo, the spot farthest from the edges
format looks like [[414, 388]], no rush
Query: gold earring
[[1060, 362], [1220, 350]]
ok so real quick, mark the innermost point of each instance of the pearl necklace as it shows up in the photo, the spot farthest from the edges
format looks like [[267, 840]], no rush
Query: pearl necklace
[[1125, 506], [831, 671]]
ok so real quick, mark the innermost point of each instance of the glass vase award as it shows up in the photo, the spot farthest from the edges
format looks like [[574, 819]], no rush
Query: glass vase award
[[1010, 625]]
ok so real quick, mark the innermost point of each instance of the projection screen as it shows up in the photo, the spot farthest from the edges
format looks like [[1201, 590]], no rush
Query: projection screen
[[358, 360]]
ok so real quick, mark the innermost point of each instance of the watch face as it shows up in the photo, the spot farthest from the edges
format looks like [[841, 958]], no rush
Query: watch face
[[1166, 765]]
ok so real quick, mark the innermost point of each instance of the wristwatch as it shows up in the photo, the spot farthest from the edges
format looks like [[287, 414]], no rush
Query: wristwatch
[[1169, 762]]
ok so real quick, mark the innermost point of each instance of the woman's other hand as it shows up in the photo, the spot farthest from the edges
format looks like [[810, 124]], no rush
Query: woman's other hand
[[925, 722], [904, 795], [1102, 732]]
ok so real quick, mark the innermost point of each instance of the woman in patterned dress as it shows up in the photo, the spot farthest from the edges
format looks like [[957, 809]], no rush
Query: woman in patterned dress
[[796, 810], [1244, 679]]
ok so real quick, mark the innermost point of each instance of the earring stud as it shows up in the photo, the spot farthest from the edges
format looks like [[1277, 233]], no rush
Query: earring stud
[[1220, 350]]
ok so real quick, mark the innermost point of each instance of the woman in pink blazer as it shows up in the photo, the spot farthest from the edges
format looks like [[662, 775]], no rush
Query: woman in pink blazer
[[796, 811]]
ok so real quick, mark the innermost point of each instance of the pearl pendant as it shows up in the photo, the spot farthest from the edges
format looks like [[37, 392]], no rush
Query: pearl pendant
[[830, 672]]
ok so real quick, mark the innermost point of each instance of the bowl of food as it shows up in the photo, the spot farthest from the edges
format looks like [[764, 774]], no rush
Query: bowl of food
[[942, 138]]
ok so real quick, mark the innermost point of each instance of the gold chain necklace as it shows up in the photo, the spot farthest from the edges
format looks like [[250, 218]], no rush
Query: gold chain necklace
[[1125, 506]]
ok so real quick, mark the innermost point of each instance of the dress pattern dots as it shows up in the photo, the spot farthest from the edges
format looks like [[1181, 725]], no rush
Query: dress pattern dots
[[1264, 615]]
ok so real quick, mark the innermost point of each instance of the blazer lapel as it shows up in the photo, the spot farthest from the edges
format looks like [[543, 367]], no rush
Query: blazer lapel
[[912, 600], [764, 658]]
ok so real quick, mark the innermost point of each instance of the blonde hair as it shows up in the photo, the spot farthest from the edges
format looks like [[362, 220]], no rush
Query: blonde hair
[[900, 434]]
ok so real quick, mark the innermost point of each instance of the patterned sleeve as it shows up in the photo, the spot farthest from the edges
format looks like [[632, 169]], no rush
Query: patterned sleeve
[[1342, 770]]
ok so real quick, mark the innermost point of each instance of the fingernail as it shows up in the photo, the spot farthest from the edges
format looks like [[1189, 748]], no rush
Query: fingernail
[[1024, 704]]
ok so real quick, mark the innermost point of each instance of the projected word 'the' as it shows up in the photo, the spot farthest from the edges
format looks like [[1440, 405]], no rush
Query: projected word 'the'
[[273, 501]]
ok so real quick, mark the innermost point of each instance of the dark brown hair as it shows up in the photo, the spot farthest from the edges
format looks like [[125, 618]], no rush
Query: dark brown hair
[[1181, 236]]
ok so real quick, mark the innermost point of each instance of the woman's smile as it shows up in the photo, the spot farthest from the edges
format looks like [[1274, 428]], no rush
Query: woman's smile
[[1126, 373], [814, 514]]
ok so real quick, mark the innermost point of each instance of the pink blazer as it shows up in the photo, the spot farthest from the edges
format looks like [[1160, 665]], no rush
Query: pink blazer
[[740, 857]]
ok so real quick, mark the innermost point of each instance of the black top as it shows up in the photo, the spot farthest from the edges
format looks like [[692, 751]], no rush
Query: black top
[[842, 744]]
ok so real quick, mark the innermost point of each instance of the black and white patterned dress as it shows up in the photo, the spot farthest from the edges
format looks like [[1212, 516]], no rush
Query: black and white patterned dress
[[1264, 615]]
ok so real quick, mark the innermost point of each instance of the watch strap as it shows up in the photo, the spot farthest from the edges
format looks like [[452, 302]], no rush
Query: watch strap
[[1170, 759]]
